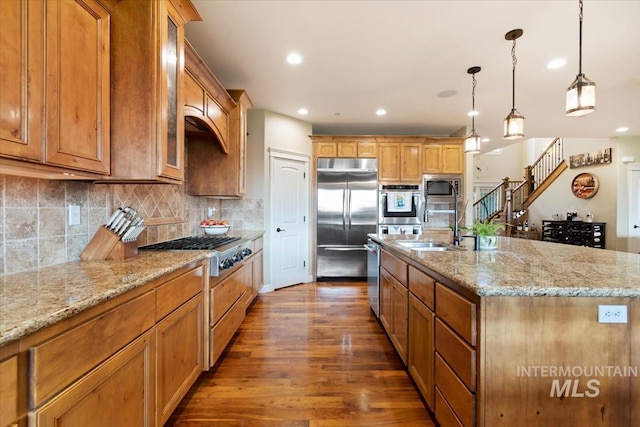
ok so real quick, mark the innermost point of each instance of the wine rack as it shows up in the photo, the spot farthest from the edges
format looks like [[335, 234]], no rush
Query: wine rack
[[577, 233]]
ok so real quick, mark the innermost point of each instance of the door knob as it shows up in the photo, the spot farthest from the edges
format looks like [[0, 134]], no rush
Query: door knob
[[280, 229]]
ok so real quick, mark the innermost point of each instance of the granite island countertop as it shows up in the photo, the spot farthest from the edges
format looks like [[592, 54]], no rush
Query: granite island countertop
[[521, 267], [35, 299]]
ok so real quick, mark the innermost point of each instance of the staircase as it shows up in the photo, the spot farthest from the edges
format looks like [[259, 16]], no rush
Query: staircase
[[509, 201]]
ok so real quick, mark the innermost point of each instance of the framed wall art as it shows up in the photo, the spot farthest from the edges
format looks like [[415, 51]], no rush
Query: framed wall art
[[600, 157], [584, 186]]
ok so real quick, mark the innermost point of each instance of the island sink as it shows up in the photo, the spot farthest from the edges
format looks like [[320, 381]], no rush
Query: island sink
[[424, 245]]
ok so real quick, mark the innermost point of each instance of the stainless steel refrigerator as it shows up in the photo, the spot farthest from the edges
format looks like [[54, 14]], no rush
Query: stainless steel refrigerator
[[347, 197]]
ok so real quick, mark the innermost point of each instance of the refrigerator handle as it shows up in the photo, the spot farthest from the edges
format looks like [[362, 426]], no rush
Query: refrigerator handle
[[349, 206], [344, 208]]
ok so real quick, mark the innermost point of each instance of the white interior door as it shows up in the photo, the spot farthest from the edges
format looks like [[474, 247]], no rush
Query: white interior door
[[290, 221], [634, 212]]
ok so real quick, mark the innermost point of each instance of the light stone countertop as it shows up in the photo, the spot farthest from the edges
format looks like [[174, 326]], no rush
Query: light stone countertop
[[33, 300], [521, 267]]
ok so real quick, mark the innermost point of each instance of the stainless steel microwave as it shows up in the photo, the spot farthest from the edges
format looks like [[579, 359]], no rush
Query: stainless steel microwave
[[442, 186]]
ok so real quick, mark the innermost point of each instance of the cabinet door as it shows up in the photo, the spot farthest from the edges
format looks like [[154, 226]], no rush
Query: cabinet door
[[400, 303], [386, 295], [326, 149], [171, 97], [421, 348], [77, 85], [21, 54], [410, 168], [98, 399], [452, 159], [180, 353], [389, 161], [347, 149], [367, 150], [431, 158], [9, 391]]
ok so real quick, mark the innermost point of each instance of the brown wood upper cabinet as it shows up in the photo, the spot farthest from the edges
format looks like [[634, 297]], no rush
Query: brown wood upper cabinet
[[45, 81], [147, 121], [399, 162], [442, 158]]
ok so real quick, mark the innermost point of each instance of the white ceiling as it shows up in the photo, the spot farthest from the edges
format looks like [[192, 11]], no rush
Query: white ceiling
[[399, 55]]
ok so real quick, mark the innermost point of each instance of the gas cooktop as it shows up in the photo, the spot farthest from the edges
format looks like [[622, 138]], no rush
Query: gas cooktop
[[193, 243]]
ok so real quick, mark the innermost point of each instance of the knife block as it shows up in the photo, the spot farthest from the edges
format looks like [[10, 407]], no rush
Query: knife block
[[107, 245]]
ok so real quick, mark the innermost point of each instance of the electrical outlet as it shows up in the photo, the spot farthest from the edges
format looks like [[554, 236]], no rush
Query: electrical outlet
[[612, 314], [211, 212], [74, 215]]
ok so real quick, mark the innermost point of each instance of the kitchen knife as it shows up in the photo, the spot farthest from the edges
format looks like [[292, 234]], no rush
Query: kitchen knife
[[113, 217], [124, 227], [117, 220]]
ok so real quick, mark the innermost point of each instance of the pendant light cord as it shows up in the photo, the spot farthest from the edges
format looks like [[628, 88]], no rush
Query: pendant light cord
[[473, 103], [513, 80], [580, 43]]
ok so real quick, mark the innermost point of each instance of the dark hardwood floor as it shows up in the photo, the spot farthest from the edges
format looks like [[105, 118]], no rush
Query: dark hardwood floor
[[307, 355]]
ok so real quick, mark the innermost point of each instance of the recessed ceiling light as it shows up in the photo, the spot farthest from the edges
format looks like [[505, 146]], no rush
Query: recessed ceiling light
[[303, 111], [381, 112], [294, 58], [554, 64], [622, 129], [472, 113]]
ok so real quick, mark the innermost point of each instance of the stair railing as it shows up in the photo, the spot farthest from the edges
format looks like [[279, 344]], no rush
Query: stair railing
[[540, 170], [493, 203]]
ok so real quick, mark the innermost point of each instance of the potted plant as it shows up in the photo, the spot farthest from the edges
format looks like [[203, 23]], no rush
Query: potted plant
[[486, 232]]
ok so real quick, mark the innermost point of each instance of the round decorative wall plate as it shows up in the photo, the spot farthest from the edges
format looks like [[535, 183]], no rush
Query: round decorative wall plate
[[584, 186]]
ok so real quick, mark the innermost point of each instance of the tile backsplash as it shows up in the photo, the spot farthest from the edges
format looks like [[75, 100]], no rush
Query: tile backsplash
[[35, 231]]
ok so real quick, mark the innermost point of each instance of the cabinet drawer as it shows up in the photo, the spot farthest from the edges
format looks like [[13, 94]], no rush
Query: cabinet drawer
[[226, 293], [457, 353], [8, 390], [223, 331], [176, 292], [422, 286], [444, 413], [457, 311], [58, 362], [394, 266], [458, 397]]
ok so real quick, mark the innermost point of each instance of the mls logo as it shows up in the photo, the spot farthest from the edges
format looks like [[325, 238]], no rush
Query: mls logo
[[571, 388]]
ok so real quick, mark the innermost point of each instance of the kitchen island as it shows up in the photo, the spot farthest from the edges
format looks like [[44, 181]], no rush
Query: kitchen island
[[513, 336]]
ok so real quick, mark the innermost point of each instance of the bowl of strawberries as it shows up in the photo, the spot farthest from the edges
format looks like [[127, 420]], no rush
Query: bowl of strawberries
[[215, 227]]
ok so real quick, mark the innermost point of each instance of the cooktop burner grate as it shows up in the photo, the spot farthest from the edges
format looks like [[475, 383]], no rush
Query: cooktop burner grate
[[191, 243]]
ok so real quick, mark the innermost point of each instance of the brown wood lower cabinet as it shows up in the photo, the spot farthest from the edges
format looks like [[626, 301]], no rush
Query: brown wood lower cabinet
[[123, 363], [421, 348], [119, 392], [180, 354], [394, 304]]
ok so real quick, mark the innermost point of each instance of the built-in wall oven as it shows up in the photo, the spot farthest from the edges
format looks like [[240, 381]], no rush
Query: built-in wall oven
[[400, 209]]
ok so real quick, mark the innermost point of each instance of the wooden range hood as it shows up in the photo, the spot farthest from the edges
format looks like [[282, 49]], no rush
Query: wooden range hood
[[207, 103]]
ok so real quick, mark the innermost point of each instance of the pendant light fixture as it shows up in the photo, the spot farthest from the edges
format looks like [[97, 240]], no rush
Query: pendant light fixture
[[472, 143], [581, 95], [514, 123]]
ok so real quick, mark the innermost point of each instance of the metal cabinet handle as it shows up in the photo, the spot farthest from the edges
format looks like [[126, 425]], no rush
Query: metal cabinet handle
[[280, 229], [636, 226]]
